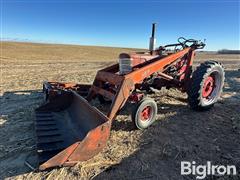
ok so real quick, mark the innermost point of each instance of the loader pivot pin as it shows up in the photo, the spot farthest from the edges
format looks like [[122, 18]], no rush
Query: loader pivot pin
[[208, 86], [146, 113]]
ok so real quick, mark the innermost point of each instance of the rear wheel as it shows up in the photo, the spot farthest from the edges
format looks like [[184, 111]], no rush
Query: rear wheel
[[206, 85], [144, 114]]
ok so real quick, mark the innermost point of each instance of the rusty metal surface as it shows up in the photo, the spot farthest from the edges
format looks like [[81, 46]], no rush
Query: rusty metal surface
[[103, 92], [64, 121], [54, 88], [144, 72], [109, 77]]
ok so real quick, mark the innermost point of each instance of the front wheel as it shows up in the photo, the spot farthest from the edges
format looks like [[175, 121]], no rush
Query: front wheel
[[144, 114], [206, 85]]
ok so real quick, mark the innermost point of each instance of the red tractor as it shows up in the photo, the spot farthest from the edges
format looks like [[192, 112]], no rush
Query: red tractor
[[69, 129]]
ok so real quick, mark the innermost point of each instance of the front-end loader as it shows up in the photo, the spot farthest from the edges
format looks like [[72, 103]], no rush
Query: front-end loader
[[69, 129]]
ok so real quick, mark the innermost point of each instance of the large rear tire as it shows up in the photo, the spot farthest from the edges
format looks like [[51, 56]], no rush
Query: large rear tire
[[206, 85]]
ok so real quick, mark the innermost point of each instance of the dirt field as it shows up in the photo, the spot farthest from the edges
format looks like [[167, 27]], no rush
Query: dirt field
[[155, 153]]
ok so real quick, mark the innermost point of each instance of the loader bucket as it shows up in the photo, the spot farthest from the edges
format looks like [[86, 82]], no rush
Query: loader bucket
[[69, 130]]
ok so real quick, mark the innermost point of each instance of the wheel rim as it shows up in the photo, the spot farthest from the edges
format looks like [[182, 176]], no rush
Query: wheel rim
[[211, 88], [146, 114], [208, 86]]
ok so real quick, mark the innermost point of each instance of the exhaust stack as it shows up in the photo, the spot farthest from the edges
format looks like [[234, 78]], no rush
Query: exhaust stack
[[152, 39]]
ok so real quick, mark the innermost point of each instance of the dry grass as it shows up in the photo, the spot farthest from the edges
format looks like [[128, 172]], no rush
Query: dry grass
[[23, 52], [179, 133]]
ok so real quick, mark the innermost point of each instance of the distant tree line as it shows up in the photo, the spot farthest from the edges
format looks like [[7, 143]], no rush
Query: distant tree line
[[227, 51]]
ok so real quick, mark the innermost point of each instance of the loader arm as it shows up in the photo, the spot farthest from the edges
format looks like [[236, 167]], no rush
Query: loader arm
[[144, 72]]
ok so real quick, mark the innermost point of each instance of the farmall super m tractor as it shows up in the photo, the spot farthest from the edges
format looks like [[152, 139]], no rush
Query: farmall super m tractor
[[69, 129]]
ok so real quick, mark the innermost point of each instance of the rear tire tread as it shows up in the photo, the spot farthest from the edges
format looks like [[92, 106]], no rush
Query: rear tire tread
[[197, 80]]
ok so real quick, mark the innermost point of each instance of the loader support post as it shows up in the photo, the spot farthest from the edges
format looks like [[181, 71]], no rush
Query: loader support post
[[122, 96]]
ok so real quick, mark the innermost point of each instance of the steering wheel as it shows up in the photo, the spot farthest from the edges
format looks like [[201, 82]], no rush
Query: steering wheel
[[183, 41], [191, 43]]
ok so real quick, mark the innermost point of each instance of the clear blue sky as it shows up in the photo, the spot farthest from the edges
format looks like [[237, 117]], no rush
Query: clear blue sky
[[121, 23]]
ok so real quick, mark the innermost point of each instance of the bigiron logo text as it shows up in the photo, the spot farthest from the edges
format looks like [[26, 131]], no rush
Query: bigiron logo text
[[202, 171]]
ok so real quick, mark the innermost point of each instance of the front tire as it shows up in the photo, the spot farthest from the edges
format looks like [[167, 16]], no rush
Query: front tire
[[206, 85], [144, 114]]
